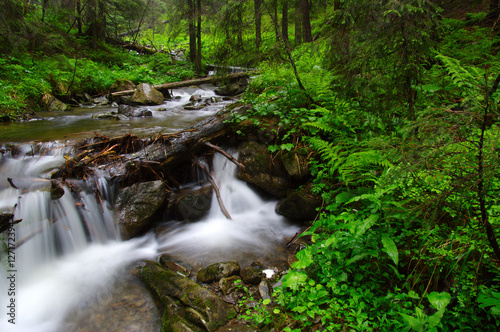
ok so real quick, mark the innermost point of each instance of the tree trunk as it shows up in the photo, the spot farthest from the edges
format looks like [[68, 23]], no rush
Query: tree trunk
[[239, 12], [192, 31], [258, 23], [79, 16], [274, 18], [298, 23], [306, 22], [198, 35], [284, 21], [150, 158], [102, 21]]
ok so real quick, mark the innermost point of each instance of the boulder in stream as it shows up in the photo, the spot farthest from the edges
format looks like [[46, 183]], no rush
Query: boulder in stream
[[146, 94], [132, 112], [137, 205], [52, 104], [188, 306], [233, 88], [191, 204], [262, 170]]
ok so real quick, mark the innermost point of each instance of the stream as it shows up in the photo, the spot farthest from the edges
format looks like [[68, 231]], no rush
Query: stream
[[67, 268]]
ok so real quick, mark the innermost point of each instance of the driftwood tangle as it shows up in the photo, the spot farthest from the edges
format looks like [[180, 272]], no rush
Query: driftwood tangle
[[152, 158]]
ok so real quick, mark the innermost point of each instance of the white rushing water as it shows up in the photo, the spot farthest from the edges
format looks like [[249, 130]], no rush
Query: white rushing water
[[254, 232], [68, 251]]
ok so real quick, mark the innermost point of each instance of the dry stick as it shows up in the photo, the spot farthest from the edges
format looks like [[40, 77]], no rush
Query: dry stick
[[225, 154], [216, 189]]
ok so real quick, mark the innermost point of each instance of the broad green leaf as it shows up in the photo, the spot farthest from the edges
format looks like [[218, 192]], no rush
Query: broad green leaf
[[417, 324], [304, 259], [294, 279], [390, 248], [367, 224], [355, 259], [439, 300]]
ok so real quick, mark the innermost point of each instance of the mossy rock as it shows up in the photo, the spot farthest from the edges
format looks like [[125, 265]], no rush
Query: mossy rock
[[122, 85], [299, 205], [217, 271], [262, 170], [186, 300]]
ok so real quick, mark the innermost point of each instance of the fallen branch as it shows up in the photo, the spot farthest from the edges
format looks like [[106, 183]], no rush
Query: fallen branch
[[225, 154], [204, 168]]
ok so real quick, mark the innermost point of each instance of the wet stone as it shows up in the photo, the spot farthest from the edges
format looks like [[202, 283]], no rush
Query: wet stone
[[251, 275], [228, 285], [217, 271]]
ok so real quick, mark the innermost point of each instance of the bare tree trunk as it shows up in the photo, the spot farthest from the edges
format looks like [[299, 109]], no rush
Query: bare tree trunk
[[284, 21], [258, 23], [198, 35], [298, 23], [493, 12], [79, 16], [239, 12], [192, 31], [306, 22]]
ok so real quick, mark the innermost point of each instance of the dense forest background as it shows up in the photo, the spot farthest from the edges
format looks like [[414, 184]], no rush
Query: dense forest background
[[393, 103]]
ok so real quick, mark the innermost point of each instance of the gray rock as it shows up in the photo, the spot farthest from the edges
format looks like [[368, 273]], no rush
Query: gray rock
[[217, 271], [99, 101], [191, 204], [146, 94], [52, 104], [262, 170], [265, 290], [233, 89], [109, 115], [122, 85], [137, 205], [228, 285], [189, 306], [300, 205], [251, 275]]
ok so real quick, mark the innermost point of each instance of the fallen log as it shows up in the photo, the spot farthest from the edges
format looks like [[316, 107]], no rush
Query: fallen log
[[197, 81], [157, 156]]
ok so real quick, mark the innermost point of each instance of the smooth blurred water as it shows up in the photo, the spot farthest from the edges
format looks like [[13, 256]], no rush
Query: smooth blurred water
[[255, 232], [78, 123], [68, 252]]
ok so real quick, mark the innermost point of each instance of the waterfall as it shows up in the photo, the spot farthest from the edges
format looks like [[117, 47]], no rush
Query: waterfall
[[254, 233], [67, 250], [68, 253]]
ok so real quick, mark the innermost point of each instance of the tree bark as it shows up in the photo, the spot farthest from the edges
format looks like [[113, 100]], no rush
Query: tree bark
[[306, 22], [284, 21], [298, 23], [198, 38], [258, 23], [192, 31], [239, 13]]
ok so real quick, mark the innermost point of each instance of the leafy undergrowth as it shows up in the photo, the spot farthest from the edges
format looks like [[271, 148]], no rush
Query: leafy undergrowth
[[402, 241]]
